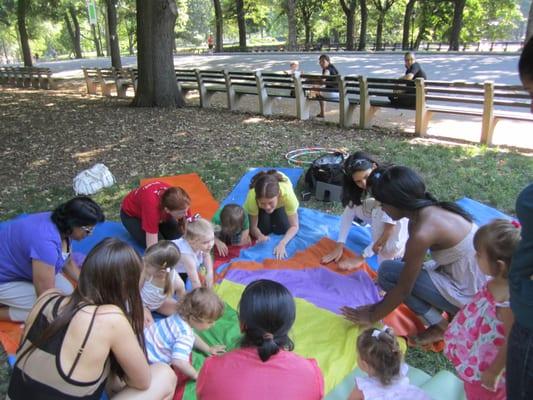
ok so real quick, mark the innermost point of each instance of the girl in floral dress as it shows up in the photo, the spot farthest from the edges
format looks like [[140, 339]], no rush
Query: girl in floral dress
[[476, 339]]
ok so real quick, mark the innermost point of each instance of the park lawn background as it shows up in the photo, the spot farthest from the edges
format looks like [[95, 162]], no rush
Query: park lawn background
[[48, 137]]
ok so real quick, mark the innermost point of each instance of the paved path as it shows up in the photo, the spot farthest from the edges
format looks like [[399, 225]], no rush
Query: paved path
[[440, 66], [499, 68]]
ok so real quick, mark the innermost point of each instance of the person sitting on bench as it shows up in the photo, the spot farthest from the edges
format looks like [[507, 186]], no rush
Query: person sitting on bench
[[406, 96]]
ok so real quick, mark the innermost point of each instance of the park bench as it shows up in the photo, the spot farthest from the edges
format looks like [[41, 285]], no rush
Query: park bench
[[92, 79], [240, 84], [350, 96], [379, 93], [36, 77], [487, 100], [123, 80], [108, 79], [187, 80], [314, 87], [274, 85], [209, 83], [5, 75]]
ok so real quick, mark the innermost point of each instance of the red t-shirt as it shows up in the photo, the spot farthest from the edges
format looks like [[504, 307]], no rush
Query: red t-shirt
[[145, 203], [240, 374]]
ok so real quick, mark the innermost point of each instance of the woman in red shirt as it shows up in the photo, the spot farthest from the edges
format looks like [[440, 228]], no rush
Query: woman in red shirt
[[264, 367], [155, 211]]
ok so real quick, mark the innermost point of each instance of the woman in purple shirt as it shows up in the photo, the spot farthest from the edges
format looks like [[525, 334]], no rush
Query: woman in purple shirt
[[36, 248]]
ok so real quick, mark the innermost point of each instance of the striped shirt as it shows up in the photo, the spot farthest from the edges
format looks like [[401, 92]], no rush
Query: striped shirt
[[169, 339]]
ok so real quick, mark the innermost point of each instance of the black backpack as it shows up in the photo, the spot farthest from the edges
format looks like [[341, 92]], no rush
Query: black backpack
[[327, 169]]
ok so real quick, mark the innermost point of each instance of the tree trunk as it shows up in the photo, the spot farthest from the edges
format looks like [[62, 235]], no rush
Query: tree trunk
[[409, 8], [131, 42], [22, 7], [379, 32], [349, 11], [155, 32], [307, 28], [114, 46], [241, 24], [364, 21], [529, 29], [96, 42], [455, 32], [291, 17], [219, 27], [75, 33]]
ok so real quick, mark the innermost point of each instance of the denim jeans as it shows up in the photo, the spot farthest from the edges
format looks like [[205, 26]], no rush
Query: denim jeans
[[519, 369], [424, 300]]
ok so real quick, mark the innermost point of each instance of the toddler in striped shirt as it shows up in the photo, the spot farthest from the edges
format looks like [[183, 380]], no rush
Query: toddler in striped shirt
[[172, 339]]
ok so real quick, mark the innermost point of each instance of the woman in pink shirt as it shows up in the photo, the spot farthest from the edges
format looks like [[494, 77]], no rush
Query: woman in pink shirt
[[264, 367]]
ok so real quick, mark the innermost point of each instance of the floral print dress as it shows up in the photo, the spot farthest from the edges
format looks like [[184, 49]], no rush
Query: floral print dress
[[475, 336]]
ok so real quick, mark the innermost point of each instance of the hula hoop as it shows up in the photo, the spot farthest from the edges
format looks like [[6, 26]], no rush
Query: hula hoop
[[294, 155]]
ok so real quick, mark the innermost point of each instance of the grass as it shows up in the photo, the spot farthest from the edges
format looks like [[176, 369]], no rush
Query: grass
[[49, 137]]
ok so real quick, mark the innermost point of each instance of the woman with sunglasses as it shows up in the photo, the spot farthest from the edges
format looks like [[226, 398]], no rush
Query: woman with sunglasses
[[388, 236], [440, 229], [155, 211], [35, 249]]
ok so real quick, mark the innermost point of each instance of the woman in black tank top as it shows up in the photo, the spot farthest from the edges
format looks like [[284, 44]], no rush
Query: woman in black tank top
[[106, 340], [327, 69]]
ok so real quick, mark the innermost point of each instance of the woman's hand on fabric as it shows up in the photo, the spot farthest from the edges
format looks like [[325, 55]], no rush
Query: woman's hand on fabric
[[335, 255], [280, 251], [217, 350], [351, 264], [221, 247], [360, 315]]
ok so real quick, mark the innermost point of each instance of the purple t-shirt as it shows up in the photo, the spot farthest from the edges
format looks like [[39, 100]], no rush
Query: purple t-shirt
[[34, 237]]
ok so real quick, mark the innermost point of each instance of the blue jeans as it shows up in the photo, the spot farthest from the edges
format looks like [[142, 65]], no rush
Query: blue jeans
[[424, 300], [519, 368]]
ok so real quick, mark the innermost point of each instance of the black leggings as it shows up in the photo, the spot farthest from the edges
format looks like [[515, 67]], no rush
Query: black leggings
[[277, 222], [168, 229]]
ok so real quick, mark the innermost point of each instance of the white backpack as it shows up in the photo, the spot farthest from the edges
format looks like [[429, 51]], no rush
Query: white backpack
[[92, 180]]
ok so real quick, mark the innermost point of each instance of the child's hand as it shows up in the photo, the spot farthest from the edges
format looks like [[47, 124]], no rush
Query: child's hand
[[376, 248], [245, 240], [489, 379], [222, 248], [217, 350], [279, 251], [148, 319], [262, 238]]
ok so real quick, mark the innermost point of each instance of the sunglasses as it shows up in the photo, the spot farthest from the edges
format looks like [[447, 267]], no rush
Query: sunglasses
[[87, 229], [356, 165]]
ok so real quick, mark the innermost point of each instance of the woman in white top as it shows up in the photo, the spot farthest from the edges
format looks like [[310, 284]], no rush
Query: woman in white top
[[388, 236]]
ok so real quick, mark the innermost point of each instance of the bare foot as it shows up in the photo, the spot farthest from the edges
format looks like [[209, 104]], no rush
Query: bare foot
[[434, 333], [320, 115], [351, 263]]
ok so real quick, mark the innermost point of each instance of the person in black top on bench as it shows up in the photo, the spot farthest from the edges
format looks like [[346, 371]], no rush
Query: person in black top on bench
[[327, 69], [413, 70]]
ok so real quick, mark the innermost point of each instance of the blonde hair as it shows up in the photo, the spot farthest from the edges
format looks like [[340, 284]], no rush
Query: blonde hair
[[198, 229], [499, 239], [163, 255], [202, 304], [380, 350]]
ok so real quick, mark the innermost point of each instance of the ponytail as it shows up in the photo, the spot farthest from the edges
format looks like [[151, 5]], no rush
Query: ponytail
[[449, 206], [267, 313], [403, 188]]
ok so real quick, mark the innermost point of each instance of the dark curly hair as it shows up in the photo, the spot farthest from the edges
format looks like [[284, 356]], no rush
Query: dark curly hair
[[79, 211]]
